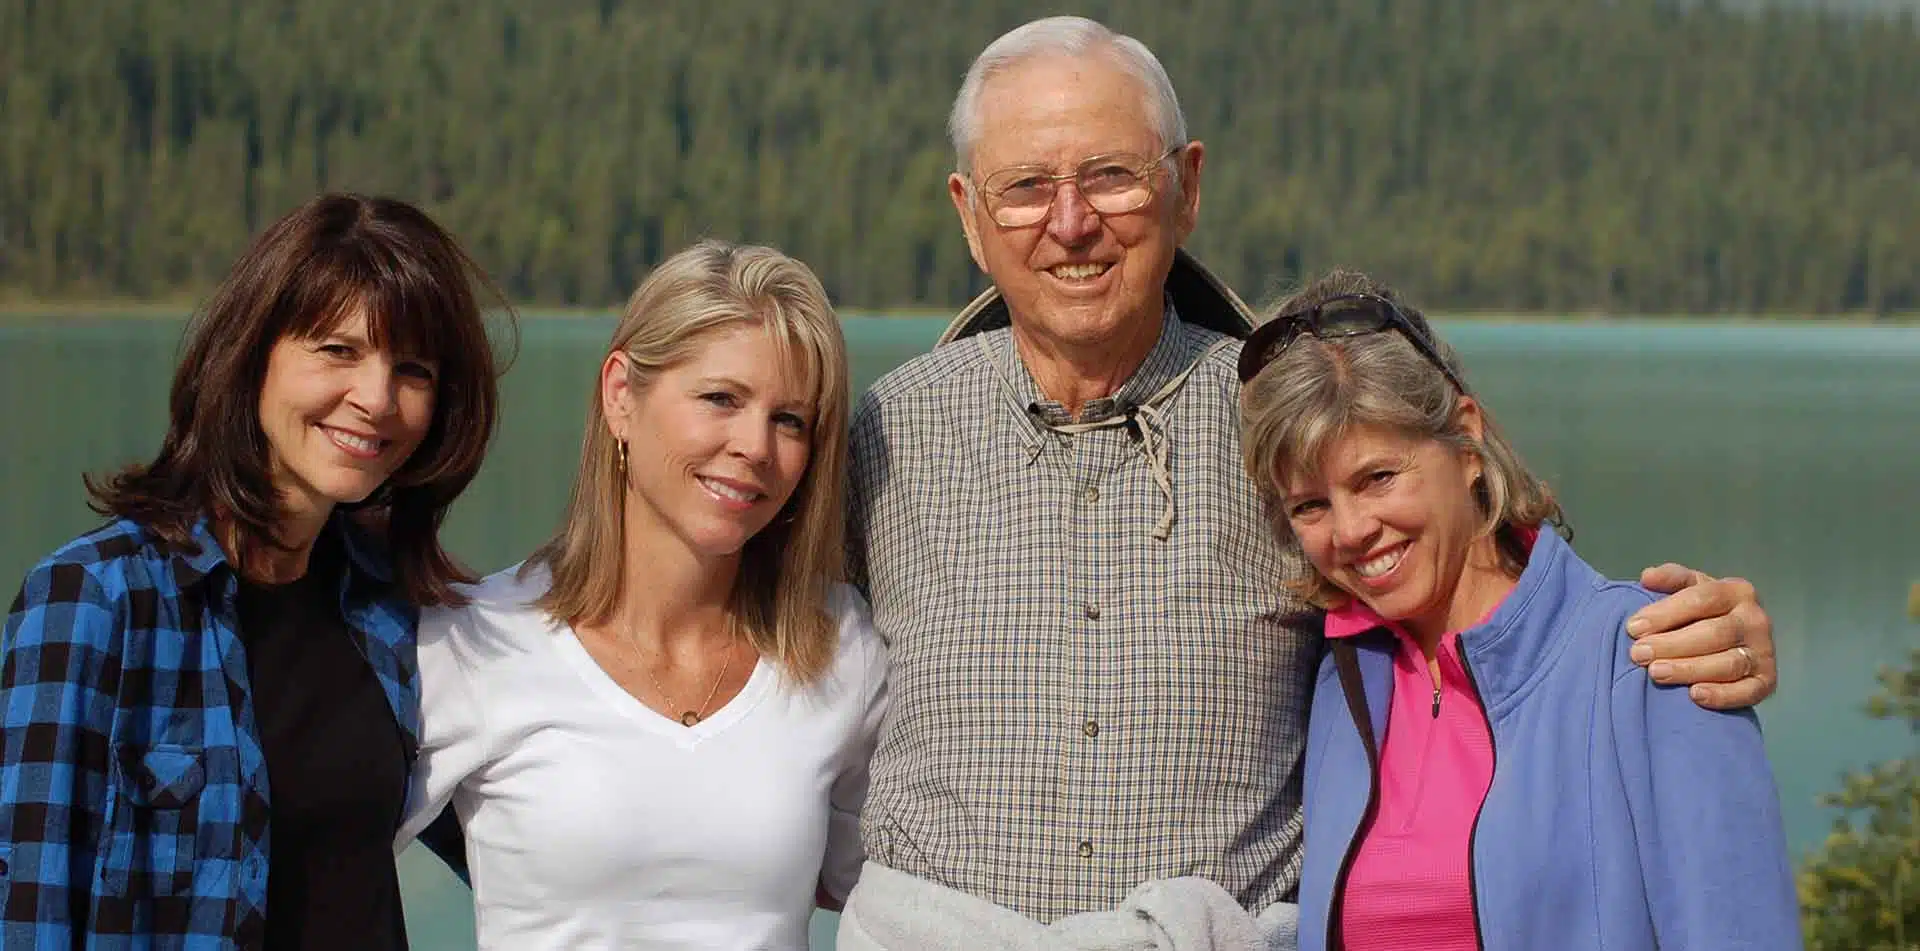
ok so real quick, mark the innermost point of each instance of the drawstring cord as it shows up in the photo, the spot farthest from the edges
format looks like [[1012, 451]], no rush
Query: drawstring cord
[[1145, 423]]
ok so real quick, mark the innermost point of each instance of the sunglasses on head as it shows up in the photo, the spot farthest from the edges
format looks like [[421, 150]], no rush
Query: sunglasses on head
[[1349, 315]]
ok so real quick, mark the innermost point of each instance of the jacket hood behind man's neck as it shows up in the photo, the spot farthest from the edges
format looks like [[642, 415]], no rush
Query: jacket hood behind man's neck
[[1198, 297]]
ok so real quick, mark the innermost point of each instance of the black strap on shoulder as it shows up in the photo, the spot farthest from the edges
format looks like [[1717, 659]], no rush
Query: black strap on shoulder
[[1347, 662]]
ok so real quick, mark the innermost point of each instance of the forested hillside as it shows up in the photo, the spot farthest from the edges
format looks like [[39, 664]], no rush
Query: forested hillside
[[1572, 155]]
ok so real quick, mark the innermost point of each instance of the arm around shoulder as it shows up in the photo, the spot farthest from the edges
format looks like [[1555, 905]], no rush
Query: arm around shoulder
[[1707, 822], [60, 641]]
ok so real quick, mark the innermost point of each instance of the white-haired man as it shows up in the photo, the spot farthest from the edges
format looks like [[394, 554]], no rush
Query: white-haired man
[[1098, 687]]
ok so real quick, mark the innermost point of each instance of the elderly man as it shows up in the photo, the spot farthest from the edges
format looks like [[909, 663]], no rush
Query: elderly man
[[1099, 689]]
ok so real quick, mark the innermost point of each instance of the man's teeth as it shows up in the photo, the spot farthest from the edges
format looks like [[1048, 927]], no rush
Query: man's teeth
[[1077, 272], [1381, 565], [728, 492], [355, 443]]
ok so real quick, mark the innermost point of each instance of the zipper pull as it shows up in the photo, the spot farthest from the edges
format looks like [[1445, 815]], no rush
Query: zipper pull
[[1436, 703]]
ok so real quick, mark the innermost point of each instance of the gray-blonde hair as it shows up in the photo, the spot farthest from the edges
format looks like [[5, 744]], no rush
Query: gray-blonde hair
[[786, 570], [1318, 390], [1064, 36]]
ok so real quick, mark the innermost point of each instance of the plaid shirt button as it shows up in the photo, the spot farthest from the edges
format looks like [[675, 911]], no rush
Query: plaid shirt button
[[1093, 612], [1086, 849], [1090, 728]]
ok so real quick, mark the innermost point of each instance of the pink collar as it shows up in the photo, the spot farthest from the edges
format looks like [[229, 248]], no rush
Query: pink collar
[[1354, 618]]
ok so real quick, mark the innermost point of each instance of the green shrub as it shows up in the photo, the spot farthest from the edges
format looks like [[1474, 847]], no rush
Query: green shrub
[[1859, 891]]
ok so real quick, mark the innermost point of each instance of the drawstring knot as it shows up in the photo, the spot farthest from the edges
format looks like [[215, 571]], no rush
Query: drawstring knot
[[1146, 424]]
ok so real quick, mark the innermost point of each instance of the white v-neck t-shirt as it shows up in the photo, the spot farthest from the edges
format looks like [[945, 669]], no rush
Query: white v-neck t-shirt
[[594, 822]]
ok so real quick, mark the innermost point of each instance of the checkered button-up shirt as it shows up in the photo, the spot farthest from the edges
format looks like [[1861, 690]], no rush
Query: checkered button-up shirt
[[133, 788], [1078, 705]]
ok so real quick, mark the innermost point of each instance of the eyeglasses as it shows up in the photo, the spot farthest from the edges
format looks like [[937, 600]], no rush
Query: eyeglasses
[[1114, 184], [1350, 315]]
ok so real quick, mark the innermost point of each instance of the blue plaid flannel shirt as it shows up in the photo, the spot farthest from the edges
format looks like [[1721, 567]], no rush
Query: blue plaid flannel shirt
[[133, 789]]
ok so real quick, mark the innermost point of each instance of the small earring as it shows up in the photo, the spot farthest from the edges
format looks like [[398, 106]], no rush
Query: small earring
[[622, 460]]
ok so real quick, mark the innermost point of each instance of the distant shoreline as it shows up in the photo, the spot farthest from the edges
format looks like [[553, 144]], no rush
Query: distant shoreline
[[15, 311]]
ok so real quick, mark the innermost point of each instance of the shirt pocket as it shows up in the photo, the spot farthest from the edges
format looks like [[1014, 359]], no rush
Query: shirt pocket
[[156, 819]]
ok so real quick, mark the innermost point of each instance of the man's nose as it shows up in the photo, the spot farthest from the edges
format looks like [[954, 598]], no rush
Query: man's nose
[[1070, 220]]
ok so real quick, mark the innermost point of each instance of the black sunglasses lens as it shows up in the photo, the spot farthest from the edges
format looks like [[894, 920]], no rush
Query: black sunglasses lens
[[1264, 344], [1341, 317], [1352, 317]]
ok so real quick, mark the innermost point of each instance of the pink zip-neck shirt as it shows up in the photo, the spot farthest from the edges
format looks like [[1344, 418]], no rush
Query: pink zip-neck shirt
[[1411, 884]]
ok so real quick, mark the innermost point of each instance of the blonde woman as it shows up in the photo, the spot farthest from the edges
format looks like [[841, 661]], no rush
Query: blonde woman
[[654, 732], [1486, 766]]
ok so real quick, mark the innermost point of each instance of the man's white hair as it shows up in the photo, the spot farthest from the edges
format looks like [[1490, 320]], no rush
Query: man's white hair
[[1063, 36]]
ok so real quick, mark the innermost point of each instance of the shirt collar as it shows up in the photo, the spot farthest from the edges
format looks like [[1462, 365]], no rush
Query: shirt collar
[[1353, 619], [363, 558], [1176, 349], [190, 569]]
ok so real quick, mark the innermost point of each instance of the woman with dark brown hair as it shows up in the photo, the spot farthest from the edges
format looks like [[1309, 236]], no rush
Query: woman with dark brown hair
[[209, 707]]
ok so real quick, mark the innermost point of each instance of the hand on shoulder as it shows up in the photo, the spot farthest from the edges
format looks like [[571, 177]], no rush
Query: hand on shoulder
[[1710, 633]]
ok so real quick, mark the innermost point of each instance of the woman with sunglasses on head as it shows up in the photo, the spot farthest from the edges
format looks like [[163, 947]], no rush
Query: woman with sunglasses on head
[[1486, 767], [655, 731], [210, 704]]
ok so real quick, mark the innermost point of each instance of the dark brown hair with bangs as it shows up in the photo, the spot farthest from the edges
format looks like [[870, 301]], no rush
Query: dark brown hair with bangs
[[336, 255]]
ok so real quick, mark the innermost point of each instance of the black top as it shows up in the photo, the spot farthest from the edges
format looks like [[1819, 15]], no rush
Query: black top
[[336, 766]]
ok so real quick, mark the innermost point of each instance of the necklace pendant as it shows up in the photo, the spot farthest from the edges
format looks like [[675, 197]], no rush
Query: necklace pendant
[[689, 718]]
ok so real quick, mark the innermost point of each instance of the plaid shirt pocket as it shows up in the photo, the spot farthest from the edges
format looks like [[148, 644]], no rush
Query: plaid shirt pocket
[[154, 819]]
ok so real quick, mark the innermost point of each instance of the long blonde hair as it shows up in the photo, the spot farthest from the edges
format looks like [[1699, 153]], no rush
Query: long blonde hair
[[780, 594], [1318, 390]]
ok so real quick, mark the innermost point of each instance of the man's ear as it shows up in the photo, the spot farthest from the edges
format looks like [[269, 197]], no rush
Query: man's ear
[[957, 189], [1187, 215]]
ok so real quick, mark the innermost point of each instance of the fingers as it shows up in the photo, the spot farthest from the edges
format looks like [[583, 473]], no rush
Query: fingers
[[1720, 667], [1692, 641], [1670, 577], [1756, 629], [1727, 680], [1756, 633], [1745, 692], [1695, 603], [1694, 637]]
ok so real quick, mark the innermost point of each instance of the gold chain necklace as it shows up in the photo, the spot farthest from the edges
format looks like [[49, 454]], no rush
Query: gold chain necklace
[[687, 717]]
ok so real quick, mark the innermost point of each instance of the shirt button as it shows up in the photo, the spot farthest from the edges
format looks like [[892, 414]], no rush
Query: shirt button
[[1090, 728], [1093, 494], [1086, 849], [1093, 611]]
